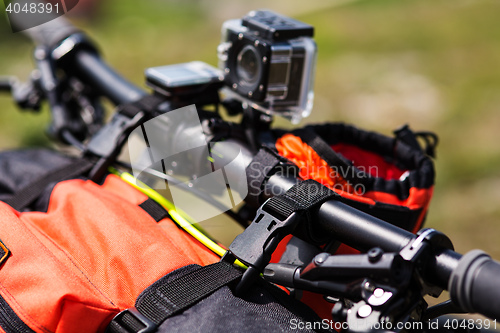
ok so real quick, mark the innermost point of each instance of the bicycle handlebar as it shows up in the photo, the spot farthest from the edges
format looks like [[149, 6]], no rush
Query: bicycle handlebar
[[91, 69], [86, 63], [363, 231], [477, 287], [471, 279]]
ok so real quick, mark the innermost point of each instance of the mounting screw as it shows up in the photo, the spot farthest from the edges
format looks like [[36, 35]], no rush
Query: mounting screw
[[369, 286], [321, 258], [339, 312], [379, 292], [331, 299], [375, 254], [364, 311], [40, 54], [265, 118]]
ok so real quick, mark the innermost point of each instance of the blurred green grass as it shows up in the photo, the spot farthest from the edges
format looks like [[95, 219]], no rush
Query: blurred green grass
[[432, 64]]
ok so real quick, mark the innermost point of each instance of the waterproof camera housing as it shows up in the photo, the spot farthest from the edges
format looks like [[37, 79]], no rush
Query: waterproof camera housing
[[268, 61]]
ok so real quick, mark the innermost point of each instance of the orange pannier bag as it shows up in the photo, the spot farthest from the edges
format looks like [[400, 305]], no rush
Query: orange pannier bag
[[73, 267], [77, 256], [389, 178]]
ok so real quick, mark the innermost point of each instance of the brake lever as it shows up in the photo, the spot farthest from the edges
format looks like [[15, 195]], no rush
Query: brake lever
[[392, 290], [290, 276], [346, 276]]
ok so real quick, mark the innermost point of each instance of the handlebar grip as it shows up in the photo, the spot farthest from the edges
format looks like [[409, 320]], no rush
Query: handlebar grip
[[475, 286]]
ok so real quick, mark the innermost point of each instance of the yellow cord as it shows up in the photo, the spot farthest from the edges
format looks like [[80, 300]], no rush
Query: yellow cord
[[180, 217]]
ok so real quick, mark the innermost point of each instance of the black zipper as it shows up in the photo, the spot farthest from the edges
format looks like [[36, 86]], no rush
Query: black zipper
[[10, 321]]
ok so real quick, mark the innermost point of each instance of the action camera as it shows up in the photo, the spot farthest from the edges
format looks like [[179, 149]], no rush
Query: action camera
[[268, 61]]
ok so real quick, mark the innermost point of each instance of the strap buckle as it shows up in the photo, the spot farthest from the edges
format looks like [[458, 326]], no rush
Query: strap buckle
[[132, 321], [257, 243], [275, 219]]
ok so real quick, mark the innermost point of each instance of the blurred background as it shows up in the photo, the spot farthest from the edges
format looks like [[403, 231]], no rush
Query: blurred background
[[430, 63]]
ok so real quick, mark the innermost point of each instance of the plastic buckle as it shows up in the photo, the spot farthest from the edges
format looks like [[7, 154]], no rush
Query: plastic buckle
[[105, 142], [149, 326], [109, 140], [257, 243]]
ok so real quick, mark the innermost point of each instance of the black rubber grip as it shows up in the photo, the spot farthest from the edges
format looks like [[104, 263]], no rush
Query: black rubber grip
[[475, 284]]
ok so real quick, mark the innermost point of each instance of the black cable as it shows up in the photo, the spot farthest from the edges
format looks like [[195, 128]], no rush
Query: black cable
[[70, 138], [446, 307]]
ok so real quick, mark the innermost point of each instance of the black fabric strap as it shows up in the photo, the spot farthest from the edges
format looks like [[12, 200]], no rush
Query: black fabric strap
[[26, 195], [303, 196], [154, 209], [168, 297], [337, 161], [148, 104], [280, 216], [264, 165], [406, 135], [256, 174]]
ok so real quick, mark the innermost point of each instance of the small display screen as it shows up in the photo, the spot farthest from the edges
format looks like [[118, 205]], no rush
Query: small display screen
[[187, 74]]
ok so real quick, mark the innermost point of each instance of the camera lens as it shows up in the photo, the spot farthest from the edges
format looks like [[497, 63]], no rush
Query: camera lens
[[248, 65]]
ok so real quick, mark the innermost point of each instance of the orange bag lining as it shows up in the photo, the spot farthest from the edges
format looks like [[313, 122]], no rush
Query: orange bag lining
[[314, 167]]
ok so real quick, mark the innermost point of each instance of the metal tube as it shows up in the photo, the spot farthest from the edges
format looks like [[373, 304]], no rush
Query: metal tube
[[94, 71], [363, 231], [358, 229]]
